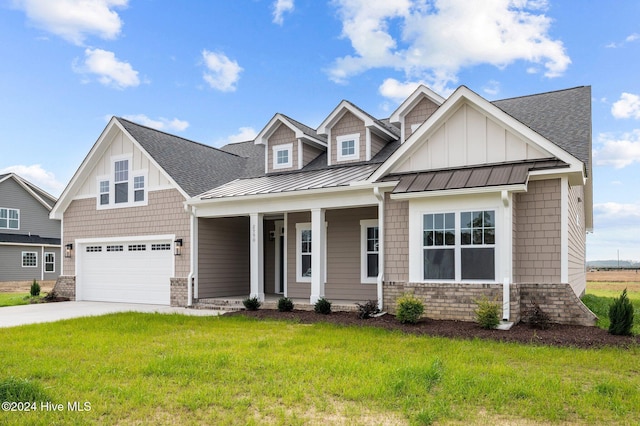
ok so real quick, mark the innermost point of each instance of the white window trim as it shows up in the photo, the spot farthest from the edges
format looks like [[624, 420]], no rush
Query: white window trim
[[458, 204], [279, 148], [47, 253], [355, 137], [130, 185], [302, 226], [8, 209], [35, 253], [364, 225]]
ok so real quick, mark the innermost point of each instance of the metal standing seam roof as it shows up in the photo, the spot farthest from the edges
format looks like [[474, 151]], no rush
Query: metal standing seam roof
[[470, 177], [293, 181]]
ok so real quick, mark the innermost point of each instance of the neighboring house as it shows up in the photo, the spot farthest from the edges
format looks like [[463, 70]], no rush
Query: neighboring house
[[29, 240], [451, 199]]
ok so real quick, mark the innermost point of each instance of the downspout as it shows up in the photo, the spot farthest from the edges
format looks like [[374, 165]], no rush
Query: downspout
[[506, 290], [192, 253], [379, 280]]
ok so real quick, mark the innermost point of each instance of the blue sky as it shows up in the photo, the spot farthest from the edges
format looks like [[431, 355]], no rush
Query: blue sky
[[217, 71]]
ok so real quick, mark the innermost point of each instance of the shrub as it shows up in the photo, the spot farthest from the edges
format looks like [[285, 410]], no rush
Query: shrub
[[322, 306], [621, 315], [409, 309], [35, 289], [285, 304], [487, 313], [367, 309], [252, 303], [536, 317]]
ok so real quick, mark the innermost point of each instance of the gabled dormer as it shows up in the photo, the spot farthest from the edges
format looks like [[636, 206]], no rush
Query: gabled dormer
[[289, 144], [353, 135], [415, 110]]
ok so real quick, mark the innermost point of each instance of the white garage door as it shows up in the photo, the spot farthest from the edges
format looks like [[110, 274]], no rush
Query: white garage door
[[127, 271]]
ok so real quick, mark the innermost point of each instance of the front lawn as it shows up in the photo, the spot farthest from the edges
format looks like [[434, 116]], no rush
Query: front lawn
[[174, 369], [14, 299]]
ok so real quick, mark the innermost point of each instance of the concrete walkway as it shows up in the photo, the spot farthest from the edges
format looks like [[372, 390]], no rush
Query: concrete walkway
[[11, 316]]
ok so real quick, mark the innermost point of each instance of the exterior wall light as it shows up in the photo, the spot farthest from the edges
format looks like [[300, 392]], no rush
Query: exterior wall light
[[68, 250], [178, 247]]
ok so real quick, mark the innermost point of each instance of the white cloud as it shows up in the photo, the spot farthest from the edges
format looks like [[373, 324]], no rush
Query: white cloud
[[627, 106], [617, 214], [280, 7], [492, 88], [629, 39], [244, 134], [397, 91], [433, 41], [618, 151], [161, 123], [222, 73], [74, 20], [109, 69], [38, 176]]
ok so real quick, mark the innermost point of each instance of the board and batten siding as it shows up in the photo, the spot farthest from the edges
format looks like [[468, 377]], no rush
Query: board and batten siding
[[163, 215], [223, 257], [122, 145], [466, 138]]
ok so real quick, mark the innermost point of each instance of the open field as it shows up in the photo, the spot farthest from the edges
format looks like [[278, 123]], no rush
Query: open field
[[24, 286], [174, 369]]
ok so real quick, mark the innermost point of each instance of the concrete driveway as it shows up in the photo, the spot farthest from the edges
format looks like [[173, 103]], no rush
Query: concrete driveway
[[11, 316]]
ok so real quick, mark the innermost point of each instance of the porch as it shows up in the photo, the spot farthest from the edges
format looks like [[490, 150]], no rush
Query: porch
[[234, 303]]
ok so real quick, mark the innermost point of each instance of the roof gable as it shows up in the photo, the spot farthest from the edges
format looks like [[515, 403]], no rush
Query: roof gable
[[420, 93], [464, 96], [379, 126], [301, 131], [44, 198]]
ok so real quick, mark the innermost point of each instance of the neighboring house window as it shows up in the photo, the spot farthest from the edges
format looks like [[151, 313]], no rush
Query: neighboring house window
[[121, 179], [282, 156], [348, 147], [49, 262], [9, 218], [468, 247], [104, 192], [369, 249], [29, 259], [303, 246], [138, 188]]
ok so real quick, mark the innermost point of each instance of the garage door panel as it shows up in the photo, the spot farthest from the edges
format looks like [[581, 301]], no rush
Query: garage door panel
[[135, 272]]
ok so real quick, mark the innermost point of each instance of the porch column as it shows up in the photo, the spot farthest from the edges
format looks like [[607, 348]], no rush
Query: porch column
[[318, 251], [256, 253]]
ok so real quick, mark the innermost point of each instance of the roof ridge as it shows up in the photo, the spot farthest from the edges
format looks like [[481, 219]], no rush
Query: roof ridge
[[176, 136], [538, 94]]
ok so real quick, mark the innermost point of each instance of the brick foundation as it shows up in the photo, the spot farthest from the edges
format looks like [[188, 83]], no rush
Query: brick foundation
[[65, 286], [179, 292], [458, 301]]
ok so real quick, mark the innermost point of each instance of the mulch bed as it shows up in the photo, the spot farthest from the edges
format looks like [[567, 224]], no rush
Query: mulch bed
[[556, 335]]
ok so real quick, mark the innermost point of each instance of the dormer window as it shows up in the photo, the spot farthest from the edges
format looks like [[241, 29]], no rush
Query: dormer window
[[282, 156], [348, 147]]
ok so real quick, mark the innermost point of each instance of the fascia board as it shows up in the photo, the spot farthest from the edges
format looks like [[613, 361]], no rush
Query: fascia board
[[29, 190]]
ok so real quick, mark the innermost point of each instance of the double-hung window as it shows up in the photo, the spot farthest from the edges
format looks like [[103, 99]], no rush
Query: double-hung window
[[49, 262], [138, 188], [304, 250], [459, 245], [369, 249], [121, 180], [104, 192], [9, 218], [348, 147]]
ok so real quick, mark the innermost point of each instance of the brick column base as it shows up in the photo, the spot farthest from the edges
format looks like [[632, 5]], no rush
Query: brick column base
[[179, 292], [65, 286]]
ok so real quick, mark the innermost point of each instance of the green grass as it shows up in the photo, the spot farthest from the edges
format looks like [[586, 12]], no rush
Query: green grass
[[600, 300], [173, 369], [14, 299]]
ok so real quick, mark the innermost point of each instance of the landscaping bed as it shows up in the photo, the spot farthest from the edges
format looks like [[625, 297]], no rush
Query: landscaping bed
[[556, 335]]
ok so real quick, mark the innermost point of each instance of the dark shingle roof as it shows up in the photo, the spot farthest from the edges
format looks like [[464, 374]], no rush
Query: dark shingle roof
[[195, 167], [28, 239], [253, 153], [306, 129], [563, 117]]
